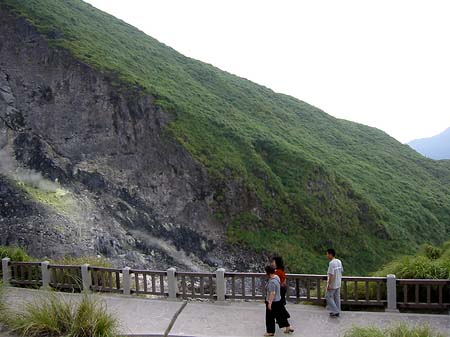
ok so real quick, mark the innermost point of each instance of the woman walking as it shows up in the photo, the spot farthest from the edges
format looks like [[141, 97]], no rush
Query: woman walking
[[275, 310], [278, 264]]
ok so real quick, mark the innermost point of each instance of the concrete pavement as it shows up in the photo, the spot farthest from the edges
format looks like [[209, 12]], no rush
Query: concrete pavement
[[150, 317]]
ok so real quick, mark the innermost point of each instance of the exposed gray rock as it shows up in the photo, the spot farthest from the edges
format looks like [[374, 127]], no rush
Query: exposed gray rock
[[135, 195]]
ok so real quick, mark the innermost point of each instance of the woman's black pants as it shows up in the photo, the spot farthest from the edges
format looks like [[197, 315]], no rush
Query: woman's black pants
[[283, 291], [277, 313]]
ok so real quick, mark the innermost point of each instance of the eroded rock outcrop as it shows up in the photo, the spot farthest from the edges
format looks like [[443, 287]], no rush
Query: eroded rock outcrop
[[130, 192]]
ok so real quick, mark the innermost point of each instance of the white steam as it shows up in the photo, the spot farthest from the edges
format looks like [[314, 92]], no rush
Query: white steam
[[10, 169]]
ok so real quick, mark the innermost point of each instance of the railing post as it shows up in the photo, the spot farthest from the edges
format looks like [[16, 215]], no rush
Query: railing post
[[172, 283], [45, 275], [391, 287], [220, 284], [86, 279], [126, 281], [6, 270]]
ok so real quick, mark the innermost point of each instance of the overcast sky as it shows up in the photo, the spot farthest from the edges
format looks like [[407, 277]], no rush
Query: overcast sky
[[384, 63]]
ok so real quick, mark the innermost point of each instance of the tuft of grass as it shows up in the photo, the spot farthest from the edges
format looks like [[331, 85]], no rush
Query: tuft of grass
[[364, 332], [401, 330], [50, 317], [55, 317], [92, 319], [15, 253]]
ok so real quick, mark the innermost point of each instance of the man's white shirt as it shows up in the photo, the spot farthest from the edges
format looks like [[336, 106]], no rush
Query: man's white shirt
[[335, 268]]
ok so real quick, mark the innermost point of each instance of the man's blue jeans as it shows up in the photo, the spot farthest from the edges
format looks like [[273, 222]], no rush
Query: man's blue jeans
[[333, 298]]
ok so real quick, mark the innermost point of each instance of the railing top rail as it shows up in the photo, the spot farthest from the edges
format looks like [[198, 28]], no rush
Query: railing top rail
[[352, 278], [21, 263], [363, 278], [147, 272], [424, 281], [228, 274], [64, 266], [305, 275], [109, 269], [195, 274]]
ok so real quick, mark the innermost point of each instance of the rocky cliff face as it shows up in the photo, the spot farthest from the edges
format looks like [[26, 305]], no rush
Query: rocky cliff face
[[87, 168]]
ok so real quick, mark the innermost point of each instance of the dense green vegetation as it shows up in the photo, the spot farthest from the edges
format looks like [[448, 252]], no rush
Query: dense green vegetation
[[14, 253], [401, 330], [429, 263], [55, 317], [20, 254], [320, 181]]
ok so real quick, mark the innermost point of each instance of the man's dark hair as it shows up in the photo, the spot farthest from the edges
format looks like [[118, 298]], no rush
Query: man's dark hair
[[279, 262], [331, 251], [270, 270]]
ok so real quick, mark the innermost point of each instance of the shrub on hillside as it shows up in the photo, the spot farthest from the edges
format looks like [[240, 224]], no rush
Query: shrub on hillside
[[14, 253], [432, 252], [91, 260], [20, 254], [429, 263]]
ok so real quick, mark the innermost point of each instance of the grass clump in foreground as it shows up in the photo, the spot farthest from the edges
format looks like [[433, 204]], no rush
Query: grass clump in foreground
[[54, 317], [401, 330]]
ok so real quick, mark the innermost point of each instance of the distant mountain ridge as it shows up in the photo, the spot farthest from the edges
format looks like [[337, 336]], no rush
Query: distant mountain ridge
[[436, 147]]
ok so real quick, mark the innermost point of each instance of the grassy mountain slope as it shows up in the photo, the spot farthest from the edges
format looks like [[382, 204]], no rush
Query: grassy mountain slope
[[320, 181]]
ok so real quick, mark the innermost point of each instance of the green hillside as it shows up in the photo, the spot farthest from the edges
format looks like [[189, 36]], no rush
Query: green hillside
[[321, 181], [429, 262]]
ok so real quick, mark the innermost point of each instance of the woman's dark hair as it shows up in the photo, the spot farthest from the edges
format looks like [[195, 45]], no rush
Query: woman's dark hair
[[270, 270], [278, 262]]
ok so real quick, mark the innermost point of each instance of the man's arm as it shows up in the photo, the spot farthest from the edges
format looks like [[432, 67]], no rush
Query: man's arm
[[271, 298], [330, 281]]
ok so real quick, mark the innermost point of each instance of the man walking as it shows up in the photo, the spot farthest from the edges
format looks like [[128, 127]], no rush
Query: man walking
[[333, 295]]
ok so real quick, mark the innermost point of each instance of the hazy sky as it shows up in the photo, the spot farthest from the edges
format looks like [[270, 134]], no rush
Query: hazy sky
[[384, 63]]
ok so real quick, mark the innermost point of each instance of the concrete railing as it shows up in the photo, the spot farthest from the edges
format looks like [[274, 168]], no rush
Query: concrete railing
[[385, 292]]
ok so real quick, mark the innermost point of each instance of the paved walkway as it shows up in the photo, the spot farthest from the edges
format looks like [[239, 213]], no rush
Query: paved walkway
[[150, 317]]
